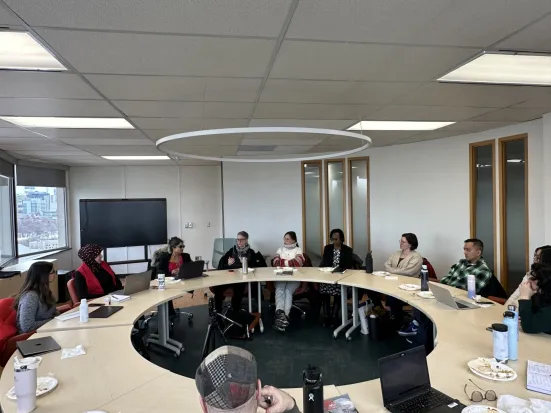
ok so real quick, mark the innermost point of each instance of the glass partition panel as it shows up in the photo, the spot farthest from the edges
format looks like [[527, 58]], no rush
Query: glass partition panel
[[334, 194], [359, 238], [7, 250], [311, 210]]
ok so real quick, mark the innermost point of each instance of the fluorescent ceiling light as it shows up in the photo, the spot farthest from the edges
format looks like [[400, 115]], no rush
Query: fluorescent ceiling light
[[19, 51], [398, 125], [504, 68], [72, 123], [137, 158]]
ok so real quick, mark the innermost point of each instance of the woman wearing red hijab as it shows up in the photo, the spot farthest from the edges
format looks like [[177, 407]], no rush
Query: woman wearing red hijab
[[94, 278]]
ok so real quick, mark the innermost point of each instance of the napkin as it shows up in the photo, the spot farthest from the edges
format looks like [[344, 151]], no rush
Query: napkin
[[68, 353]]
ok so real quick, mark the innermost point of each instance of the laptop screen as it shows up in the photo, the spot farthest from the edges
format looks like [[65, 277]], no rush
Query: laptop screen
[[403, 374]]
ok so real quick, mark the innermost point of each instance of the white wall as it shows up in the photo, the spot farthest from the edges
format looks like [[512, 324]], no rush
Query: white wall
[[419, 187], [193, 195], [264, 199], [546, 182]]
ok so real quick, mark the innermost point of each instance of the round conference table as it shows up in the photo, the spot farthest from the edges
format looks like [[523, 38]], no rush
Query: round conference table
[[114, 378]]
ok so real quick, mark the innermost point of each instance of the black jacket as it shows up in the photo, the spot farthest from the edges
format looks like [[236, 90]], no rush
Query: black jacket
[[346, 259], [164, 260], [255, 260]]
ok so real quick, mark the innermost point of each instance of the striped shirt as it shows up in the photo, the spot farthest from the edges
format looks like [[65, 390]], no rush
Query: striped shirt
[[457, 276]]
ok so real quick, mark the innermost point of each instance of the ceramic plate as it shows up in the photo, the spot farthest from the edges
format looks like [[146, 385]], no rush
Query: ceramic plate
[[380, 273], [410, 287], [425, 294], [489, 368], [44, 385], [479, 408]]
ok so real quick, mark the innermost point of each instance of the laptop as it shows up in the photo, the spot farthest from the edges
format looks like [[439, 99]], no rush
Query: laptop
[[105, 311], [445, 297], [189, 270], [135, 283], [406, 388], [36, 346]]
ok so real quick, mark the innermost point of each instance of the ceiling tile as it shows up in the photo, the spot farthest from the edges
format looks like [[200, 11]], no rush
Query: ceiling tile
[[17, 133], [56, 107], [460, 128], [26, 141], [312, 111], [213, 140], [534, 37], [447, 94], [44, 85], [185, 109], [197, 162], [7, 18], [125, 53], [383, 136], [187, 125], [543, 101], [319, 91], [293, 149], [511, 115], [168, 88], [373, 62], [427, 113], [60, 150], [229, 17], [224, 150], [107, 141], [284, 141], [303, 123], [106, 150], [445, 22]]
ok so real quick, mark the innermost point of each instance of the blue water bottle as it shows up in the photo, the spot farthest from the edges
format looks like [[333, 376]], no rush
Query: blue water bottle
[[510, 320]]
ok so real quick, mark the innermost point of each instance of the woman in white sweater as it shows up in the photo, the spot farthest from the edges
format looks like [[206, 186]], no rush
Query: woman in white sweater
[[406, 261], [290, 255]]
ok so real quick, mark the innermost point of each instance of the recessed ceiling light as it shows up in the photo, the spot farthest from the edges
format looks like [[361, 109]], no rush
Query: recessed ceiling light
[[73, 123], [398, 125], [20, 51], [504, 68], [137, 158]]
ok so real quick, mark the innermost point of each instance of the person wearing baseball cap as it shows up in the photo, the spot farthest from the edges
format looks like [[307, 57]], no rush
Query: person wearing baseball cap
[[227, 383]]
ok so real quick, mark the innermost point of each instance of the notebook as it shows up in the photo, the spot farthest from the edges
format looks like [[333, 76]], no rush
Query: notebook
[[538, 377]]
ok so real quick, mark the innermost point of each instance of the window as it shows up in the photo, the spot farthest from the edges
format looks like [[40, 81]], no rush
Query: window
[[483, 215], [513, 167], [7, 250], [335, 195], [358, 173], [311, 210]]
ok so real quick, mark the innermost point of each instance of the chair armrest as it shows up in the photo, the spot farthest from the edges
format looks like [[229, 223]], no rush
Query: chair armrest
[[11, 346], [497, 299]]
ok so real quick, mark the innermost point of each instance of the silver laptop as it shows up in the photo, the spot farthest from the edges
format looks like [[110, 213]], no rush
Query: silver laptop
[[135, 283], [445, 296]]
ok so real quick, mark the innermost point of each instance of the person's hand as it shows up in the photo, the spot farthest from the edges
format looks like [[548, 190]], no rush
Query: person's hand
[[231, 260], [280, 401], [175, 271], [526, 291]]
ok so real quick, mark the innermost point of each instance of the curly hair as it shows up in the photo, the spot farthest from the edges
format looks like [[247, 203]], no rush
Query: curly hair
[[542, 275]]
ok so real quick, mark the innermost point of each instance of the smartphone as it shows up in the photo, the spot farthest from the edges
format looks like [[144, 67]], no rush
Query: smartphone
[[485, 302], [96, 305]]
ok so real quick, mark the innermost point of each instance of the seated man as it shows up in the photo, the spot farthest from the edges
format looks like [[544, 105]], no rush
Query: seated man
[[232, 261], [227, 381], [472, 264]]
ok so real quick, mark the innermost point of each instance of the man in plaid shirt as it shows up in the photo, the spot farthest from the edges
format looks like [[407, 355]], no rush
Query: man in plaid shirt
[[472, 264]]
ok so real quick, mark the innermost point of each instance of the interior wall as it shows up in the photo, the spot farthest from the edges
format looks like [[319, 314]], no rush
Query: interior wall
[[193, 195], [263, 199]]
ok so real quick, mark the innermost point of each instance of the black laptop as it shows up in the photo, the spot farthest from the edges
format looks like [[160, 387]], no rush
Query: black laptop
[[189, 270], [406, 388], [35, 346]]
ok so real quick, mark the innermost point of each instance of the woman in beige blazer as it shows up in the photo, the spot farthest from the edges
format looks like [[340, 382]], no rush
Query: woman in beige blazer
[[406, 261]]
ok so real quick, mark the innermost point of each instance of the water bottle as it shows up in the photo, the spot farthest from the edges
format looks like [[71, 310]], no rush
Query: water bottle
[[369, 262], [501, 345], [512, 330], [244, 265], [424, 278], [312, 390], [24, 377], [83, 311], [513, 308], [471, 286], [161, 280]]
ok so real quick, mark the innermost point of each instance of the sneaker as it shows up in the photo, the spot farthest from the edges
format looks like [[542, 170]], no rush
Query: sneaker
[[410, 330], [278, 320], [285, 320]]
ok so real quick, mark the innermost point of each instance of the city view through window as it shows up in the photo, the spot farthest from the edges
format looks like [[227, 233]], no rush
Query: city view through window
[[41, 221]]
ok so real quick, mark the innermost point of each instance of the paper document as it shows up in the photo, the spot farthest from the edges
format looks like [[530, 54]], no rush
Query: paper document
[[538, 377], [119, 298], [68, 316]]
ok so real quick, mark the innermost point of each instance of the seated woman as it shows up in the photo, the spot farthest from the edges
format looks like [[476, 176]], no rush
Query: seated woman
[[542, 255], [94, 278], [336, 254], [535, 301], [171, 261], [35, 303], [406, 261], [232, 261], [290, 255]]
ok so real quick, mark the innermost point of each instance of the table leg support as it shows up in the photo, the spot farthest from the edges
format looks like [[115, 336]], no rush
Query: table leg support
[[344, 316], [355, 321], [260, 307], [162, 339]]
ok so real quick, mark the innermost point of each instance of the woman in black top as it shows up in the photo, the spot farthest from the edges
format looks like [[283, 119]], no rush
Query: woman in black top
[[94, 278], [336, 254], [171, 261]]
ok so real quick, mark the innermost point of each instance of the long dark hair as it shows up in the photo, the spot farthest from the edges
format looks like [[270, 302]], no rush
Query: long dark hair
[[542, 275], [173, 243], [38, 280]]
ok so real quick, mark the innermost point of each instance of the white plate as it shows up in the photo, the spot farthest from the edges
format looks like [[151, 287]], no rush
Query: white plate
[[44, 385], [380, 273], [479, 408], [425, 294], [168, 279], [489, 368], [410, 287]]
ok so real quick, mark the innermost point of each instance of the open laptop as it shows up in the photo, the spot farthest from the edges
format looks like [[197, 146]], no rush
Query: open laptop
[[445, 296], [135, 283], [192, 269], [36, 346], [406, 388]]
